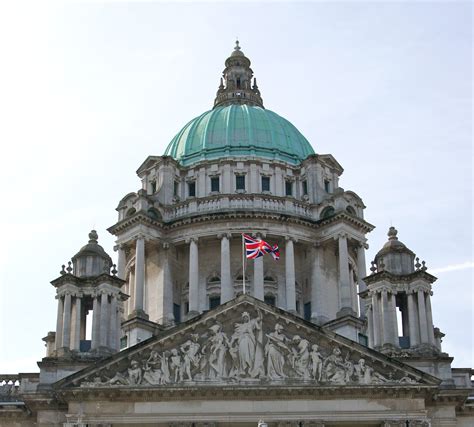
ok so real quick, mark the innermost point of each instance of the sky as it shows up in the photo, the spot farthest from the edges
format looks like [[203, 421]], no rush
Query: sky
[[89, 90]]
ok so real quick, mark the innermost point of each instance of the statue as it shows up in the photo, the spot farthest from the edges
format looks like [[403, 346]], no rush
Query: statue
[[276, 344], [132, 377], [190, 349], [219, 344], [249, 348], [333, 367], [152, 372], [301, 357], [176, 366], [316, 363]]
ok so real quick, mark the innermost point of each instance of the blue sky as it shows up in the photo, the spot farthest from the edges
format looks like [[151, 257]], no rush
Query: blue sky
[[90, 89]]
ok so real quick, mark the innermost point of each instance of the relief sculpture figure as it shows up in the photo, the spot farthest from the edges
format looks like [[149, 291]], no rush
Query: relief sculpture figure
[[152, 372], [333, 367], [275, 351], [190, 350], [316, 363], [248, 346], [219, 344], [300, 357]]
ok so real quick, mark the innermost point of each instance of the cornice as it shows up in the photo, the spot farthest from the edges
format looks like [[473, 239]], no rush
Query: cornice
[[396, 278]]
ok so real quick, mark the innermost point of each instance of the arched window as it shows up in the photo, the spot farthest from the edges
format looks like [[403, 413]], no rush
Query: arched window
[[131, 212], [327, 212], [351, 210]]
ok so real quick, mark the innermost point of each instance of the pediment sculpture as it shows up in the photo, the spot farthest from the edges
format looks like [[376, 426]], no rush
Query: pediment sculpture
[[255, 348]]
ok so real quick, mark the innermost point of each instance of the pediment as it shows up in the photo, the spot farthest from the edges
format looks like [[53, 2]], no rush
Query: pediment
[[246, 342]]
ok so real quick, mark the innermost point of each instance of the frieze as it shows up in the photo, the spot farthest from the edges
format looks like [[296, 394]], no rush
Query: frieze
[[252, 347]]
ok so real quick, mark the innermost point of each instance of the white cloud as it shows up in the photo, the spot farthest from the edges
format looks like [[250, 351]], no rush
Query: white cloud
[[453, 267]]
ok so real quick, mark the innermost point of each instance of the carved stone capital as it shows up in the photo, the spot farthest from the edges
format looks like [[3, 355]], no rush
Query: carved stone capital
[[228, 236], [191, 239]]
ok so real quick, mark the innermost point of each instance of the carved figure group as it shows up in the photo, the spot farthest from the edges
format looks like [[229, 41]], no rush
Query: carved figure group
[[248, 355]]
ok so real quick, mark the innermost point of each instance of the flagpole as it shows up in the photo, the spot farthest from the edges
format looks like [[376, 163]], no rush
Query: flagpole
[[243, 264]]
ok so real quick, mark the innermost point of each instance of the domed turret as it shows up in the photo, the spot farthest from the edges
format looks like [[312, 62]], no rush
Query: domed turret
[[91, 260], [395, 257]]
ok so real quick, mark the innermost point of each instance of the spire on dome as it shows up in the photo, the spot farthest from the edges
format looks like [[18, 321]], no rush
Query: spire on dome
[[236, 83]]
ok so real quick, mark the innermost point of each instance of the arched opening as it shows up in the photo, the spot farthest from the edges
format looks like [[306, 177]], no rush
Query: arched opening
[[154, 214], [131, 212], [350, 210], [327, 212]]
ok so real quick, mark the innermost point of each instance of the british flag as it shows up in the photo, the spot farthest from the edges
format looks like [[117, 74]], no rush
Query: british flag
[[256, 248]]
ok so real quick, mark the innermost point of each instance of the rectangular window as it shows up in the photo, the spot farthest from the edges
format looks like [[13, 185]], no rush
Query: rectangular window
[[214, 302], [326, 186], [269, 299], [186, 307], [215, 184], [177, 313], [363, 340], [123, 342], [305, 187], [265, 183], [288, 188], [240, 182], [175, 188], [192, 189], [153, 187], [307, 311]]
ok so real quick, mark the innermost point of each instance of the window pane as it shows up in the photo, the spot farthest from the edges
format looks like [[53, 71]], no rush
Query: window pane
[[191, 189], [307, 311], [265, 183], [214, 302], [240, 182], [288, 188], [305, 187], [269, 299], [215, 184]]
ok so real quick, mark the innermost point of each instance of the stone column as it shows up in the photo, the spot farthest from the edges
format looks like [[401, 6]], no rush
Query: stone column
[[344, 279], [77, 324], [95, 322], [113, 341], [290, 276], [392, 320], [104, 319], [429, 320], [413, 321], [167, 297], [193, 278], [422, 317], [316, 285], [66, 341], [139, 290], [131, 292], [59, 322], [227, 288], [121, 261], [376, 320], [362, 272], [258, 290], [370, 326], [386, 339]]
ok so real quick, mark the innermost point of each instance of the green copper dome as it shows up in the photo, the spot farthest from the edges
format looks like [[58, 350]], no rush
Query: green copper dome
[[239, 130]]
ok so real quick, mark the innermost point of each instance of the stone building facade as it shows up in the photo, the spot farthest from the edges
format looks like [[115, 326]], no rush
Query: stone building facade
[[185, 332]]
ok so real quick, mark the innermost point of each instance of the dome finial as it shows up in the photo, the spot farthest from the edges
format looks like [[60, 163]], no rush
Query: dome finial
[[237, 47], [93, 236], [392, 233]]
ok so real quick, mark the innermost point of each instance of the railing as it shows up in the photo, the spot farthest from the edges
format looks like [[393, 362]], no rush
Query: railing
[[232, 202], [13, 385]]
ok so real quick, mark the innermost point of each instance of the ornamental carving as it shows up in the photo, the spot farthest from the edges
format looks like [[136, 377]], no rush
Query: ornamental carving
[[252, 349]]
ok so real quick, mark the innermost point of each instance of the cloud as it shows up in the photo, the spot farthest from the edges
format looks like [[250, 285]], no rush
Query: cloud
[[453, 267]]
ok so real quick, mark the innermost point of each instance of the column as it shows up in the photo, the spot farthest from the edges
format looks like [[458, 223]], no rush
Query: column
[[258, 291], [193, 277], [167, 315], [113, 323], [413, 321], [376, 320], [131, 291], [316, 285], [121, 261], [77, 324], [104, 319], [139, 275], [118, 319], [385, 319], [59, 322], [392, 320], [361, 273], [429, 320], [370, 325], [66, 341], [422, 317], [95, 322], [227, 288], [290, 276], [344, 280]]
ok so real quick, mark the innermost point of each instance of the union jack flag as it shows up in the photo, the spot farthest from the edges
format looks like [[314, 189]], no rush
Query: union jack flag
[[256, 248]]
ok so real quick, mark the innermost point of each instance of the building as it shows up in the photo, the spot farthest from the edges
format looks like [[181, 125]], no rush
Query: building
[[183, 335]]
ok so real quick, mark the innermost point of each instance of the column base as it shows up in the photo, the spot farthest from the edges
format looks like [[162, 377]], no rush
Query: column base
[[318, 320], [346, 311], [138, 313]]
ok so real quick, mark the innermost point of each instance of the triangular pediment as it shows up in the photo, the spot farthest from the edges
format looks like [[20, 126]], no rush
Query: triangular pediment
[[246, 342]]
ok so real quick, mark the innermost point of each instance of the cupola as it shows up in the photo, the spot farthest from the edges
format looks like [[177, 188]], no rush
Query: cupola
[[91, 260], [394, 256]]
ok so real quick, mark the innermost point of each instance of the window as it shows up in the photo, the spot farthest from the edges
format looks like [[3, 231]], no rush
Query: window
[[363, 340], [214, 302], [192, 189], [265, 183], [327, 212], [305, 187], [288, 188], [123, 342], [186, 307], [326, 186], [307, 311], [177, 313], [240, 182], [175, 188], [269, 299], [215, 184], [153, 187]]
